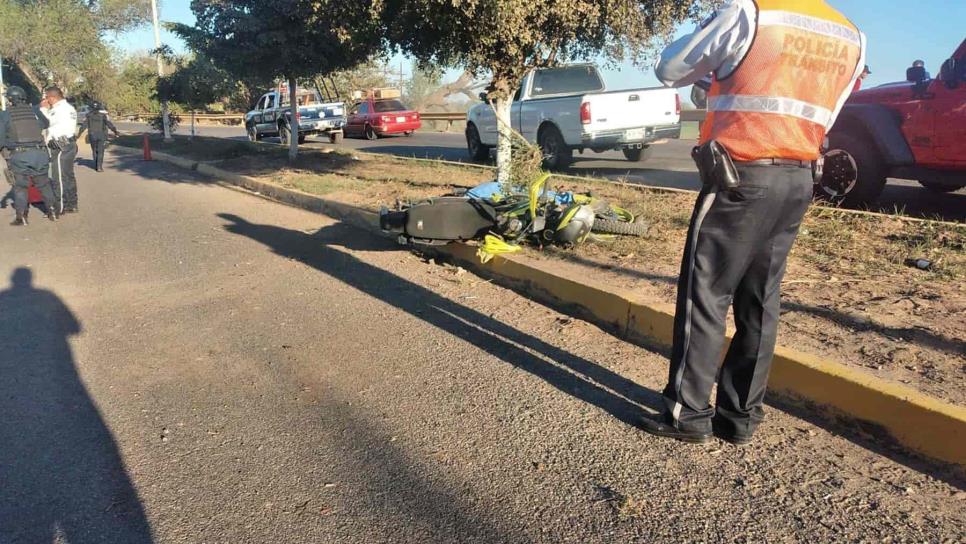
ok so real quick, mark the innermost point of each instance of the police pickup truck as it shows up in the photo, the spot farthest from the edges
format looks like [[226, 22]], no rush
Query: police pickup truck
[[568, 109], [272, 116]]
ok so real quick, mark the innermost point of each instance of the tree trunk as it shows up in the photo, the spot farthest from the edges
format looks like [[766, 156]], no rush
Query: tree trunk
[[501, 107], [192, 124], [293, 125], [30, 75]]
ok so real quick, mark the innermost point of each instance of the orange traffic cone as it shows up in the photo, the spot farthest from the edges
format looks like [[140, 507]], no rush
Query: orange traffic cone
[[147, 149]]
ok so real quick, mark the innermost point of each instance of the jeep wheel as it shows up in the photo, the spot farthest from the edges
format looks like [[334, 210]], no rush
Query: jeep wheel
[[556, 154], [370, 133], [939, 187], [302, 138], [474, 145], [253, 134], [854, 174]]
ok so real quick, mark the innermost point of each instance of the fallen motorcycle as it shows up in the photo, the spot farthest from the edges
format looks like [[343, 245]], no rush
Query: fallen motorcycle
[[502, 218]]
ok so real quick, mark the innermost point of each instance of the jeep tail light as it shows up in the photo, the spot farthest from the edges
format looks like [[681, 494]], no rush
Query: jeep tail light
[[585, 113], [677, 104]]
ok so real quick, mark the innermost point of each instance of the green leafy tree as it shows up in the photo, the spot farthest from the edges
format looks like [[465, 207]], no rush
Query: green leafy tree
[[291, 40], [119, 15], [507, 38], [195, 83], [134, 91], [425, 81], [62, 41], [370, 74]]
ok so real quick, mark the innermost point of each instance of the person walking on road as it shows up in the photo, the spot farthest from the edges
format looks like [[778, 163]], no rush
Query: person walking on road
[[781, 71], [97, 124], [62, 142], [21, 139]]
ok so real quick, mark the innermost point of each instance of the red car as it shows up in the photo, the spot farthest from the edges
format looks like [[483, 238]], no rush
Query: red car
[[376, 117], [915, 129]]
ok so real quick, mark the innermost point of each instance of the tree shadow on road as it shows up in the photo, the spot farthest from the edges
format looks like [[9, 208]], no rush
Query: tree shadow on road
[[61, 474], [569, 373]]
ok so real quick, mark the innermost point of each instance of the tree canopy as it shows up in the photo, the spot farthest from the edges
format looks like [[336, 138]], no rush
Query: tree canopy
[[62, 41], [283, 39], [507, 38]]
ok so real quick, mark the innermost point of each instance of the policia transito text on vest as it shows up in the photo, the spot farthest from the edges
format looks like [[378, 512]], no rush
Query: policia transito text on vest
[[781, 71]]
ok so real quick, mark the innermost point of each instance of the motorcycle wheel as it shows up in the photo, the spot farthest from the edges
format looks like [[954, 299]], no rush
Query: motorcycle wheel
[[609, 226]]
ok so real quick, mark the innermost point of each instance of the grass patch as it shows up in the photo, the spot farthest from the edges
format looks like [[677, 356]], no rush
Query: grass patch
[[201, 148], [319, 184], [831, 242]]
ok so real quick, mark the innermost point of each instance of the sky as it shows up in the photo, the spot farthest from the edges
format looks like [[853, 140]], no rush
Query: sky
[[897, 32]]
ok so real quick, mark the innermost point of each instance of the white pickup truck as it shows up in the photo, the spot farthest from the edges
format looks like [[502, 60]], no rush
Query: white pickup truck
[[568, 108]]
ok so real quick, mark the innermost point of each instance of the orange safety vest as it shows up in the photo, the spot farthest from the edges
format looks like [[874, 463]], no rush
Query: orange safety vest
[[780, 99]]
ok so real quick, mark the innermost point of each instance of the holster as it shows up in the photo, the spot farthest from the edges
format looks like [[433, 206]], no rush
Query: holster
[[715, 166], [61, 143]]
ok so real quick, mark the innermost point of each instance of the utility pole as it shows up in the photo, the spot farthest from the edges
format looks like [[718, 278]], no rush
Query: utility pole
[[157, 45], [3, 90]]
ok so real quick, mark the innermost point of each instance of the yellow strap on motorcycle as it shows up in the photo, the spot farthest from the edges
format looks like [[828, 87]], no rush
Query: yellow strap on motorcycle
[[536, 187], [623, 214], [494, 245]]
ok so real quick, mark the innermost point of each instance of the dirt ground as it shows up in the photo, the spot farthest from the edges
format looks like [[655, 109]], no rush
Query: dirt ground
[[847, 295]]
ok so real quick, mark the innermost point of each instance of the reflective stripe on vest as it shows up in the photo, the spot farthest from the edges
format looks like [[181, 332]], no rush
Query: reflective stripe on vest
[[779, 101]]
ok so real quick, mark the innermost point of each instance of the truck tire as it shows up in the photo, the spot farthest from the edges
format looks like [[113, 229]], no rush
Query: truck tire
[[610, 226], [556, 154], [253, 134], [939, 187], [370, 133], [335, 137], [638, 155], [870, 171], [474, 144], [302, 138]]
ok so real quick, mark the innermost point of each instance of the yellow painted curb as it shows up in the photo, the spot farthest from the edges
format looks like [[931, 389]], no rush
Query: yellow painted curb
[[919, 422]]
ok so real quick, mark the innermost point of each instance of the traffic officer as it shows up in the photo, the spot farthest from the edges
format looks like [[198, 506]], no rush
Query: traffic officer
[[21, 138], [781, 71], [97, 124], [62, 144]]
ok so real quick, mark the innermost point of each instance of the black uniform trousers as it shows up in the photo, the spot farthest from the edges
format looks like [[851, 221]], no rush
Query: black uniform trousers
[[21, 184], [97, 147], [735, 254], [62, 176]]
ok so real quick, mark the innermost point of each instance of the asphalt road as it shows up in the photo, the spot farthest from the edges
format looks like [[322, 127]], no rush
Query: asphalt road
[[186, 363], [669, 166]]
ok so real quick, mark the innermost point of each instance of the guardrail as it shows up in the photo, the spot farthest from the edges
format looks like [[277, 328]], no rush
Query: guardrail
[[687, 116]]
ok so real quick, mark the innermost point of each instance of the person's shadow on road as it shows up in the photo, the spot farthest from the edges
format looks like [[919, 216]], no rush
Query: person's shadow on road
[[569, 373], [61, 475]]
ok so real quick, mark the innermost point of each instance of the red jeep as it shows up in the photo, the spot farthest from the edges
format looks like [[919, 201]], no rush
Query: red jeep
[[915, 130]]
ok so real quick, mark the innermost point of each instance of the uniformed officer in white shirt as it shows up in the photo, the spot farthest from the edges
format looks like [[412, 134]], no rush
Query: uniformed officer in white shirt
[[780, 72], [62, 143]]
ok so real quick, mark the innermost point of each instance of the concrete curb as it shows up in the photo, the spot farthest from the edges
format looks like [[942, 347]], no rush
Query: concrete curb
[[919, 422]]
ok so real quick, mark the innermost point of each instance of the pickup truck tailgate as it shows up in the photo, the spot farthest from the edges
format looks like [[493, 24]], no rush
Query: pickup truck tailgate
[[634, 109], [322, 111]]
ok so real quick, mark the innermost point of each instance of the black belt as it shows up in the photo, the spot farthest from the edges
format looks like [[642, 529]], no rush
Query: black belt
[[776, 162], [27, 147]]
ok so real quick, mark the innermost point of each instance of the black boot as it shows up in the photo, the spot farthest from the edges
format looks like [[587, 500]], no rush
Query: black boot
[[20, 221], [663, 427]]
